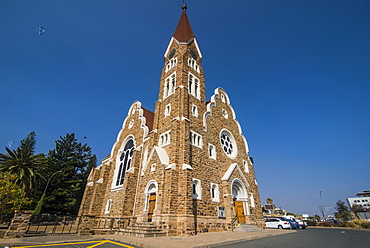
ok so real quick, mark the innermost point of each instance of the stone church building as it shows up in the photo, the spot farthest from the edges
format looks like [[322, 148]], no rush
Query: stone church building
[[184, 167]]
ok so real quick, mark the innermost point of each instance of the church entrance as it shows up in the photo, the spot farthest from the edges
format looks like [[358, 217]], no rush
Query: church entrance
[[239, 211], [152, 199], [239, 193]]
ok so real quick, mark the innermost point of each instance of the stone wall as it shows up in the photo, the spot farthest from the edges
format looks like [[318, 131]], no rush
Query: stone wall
[[19, 224]]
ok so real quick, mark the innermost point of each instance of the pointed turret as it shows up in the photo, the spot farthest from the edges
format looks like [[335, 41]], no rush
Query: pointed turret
[[183, 32]]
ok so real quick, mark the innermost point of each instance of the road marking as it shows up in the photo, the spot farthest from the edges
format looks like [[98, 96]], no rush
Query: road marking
[[92, 246], [95, 244]]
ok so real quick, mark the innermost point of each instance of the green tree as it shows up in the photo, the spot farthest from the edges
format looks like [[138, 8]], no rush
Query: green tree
[[29, 143], [26, 167], [74, 160], [357, 208], [269, 201], [343, 211], [317, 217], [11, 195]]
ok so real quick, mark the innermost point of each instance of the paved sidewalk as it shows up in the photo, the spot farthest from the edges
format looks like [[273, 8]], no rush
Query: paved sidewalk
[[201, 240]]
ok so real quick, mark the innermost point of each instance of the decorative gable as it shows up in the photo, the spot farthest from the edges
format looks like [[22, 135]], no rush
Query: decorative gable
[[160, 153]]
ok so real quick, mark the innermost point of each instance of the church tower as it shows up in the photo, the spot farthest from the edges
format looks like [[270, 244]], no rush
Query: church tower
[[185, 167]]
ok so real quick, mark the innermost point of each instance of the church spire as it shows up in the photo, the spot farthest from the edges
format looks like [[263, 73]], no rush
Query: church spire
[[183, 32]]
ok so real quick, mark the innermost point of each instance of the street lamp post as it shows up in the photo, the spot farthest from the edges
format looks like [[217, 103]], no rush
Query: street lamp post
[[47, 184], [41, 201]]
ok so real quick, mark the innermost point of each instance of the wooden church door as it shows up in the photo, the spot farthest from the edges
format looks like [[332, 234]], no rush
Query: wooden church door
[[239, 211], [152, 199]]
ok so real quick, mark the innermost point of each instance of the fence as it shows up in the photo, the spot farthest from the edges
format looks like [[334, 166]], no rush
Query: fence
[[5, 220], [53, 224]]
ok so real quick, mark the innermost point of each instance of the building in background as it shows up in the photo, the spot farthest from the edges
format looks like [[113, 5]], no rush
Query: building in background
[[361, 204], [362, 200]]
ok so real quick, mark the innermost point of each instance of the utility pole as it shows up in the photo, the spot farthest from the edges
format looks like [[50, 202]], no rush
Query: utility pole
[[321, 207]]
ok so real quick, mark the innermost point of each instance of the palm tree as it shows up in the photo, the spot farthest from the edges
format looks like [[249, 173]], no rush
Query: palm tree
[[25, 166]]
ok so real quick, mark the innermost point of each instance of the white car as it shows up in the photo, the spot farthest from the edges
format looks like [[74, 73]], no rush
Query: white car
[[277, 223]]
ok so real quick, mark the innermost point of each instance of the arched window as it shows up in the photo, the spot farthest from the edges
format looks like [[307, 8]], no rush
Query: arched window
[[108, 206], [165, 139], [194, 110], [212, 151], [125, 162], [196, 139], [196, 189], [196, 88], [193, 84], [215, 194], [169, 85], [167, 111], [173, 84]]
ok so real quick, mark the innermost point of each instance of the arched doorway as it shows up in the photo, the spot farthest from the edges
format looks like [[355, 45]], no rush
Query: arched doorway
[[151, 198], [239, 193]]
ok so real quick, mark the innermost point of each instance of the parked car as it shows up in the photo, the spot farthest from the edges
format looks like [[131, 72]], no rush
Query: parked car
[[302, 224], [294, 224], [297, 222], [277, 223]]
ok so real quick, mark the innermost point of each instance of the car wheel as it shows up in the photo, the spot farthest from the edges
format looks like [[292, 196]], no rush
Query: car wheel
[[280, 227]]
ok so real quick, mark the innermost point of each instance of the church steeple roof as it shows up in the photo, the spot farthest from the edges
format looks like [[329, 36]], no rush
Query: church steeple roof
[[183, 32]]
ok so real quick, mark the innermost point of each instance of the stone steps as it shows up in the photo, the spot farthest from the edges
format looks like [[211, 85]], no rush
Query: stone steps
[[142, 230], [246, 228]]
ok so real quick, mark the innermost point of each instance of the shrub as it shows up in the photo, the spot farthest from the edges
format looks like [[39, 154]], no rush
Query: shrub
[[326, 223], [347, 224], [311, 222], [361, 223]]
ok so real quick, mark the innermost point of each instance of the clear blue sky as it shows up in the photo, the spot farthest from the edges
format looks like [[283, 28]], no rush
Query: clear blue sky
[[297, 73]]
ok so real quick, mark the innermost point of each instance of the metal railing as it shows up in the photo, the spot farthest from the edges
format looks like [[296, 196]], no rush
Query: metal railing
[[53, 224], [233, 221], [5, 220]]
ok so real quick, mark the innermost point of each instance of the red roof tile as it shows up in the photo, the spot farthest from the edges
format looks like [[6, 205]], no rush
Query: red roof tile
[[183, 32], [149, 116]]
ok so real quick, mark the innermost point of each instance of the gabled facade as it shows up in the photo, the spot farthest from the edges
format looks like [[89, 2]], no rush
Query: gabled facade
[[185, 167]]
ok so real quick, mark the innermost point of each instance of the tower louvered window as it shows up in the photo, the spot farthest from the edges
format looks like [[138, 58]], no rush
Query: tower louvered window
[[194, 87], [171, 64], [169, 85], [193, 64]]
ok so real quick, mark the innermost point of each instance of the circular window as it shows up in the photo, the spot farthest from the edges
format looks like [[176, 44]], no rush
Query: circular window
[[228, 144]]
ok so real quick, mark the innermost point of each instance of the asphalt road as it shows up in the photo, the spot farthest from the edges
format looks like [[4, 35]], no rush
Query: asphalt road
[[311, 238]]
